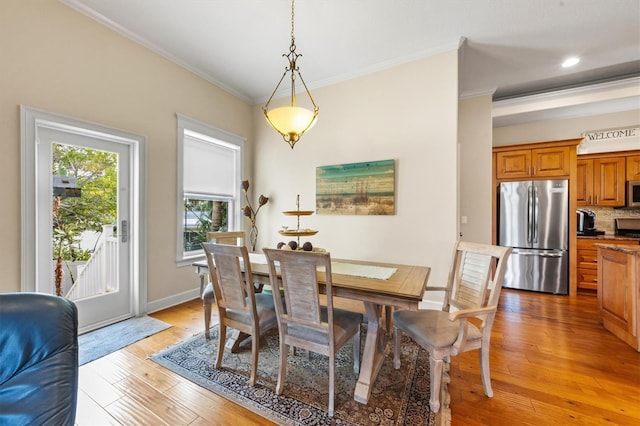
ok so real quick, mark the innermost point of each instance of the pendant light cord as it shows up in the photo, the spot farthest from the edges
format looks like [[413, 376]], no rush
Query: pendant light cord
[[292, 21]]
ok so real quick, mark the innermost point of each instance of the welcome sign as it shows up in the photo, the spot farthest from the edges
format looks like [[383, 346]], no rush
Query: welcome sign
[[610, 140]]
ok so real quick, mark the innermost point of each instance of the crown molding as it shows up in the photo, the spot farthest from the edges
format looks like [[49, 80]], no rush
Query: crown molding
[[629, 87]]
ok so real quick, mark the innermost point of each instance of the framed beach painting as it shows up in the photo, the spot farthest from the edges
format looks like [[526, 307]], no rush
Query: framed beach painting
[[366, 188]]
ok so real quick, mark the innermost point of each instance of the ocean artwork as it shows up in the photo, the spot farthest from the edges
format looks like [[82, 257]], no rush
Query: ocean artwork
[[366, 188]]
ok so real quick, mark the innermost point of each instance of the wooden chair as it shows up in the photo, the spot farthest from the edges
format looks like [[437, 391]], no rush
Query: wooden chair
[[206, 292], [302, 321], [473, 290], [238, 305], [234, 238]]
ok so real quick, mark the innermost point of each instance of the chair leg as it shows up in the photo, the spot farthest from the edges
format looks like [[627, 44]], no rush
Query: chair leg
[[485, 371], [397, 337], [255, 347], [356, 352], [282, 371], [436, 366], [332, 372], [221, 341], [206, 304]]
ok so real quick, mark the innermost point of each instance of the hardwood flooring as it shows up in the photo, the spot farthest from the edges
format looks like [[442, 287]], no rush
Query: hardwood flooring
[[552, 363]]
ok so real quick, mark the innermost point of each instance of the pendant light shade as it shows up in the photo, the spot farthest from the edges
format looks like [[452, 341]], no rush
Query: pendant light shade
[[291, 121]]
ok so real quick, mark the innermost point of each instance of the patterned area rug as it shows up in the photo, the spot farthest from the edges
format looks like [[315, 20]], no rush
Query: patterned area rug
[[399, 397]]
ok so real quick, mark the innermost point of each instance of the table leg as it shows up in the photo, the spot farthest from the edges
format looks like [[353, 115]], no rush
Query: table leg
[[373, 353], [234, 341], [203, 274]]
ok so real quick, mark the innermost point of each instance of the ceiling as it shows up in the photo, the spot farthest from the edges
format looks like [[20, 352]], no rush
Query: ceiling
[[510, 48]]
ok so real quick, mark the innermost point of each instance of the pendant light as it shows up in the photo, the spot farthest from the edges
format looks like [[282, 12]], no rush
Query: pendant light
[[291, 121]]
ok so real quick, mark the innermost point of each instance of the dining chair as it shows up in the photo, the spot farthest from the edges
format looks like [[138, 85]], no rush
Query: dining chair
[[239, 307], [206, 292], [472, 291], [303, 322]]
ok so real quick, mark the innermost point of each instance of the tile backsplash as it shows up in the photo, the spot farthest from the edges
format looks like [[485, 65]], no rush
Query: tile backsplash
[[605, 217]]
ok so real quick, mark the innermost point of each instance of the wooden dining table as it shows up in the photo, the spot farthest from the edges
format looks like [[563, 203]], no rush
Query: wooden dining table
[[403, 289]]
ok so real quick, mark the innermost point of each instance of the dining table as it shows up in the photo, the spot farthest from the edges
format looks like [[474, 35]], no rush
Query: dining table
[[379, 285]]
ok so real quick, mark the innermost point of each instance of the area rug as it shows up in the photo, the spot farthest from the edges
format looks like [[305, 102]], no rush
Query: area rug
[[103, 341], [398, 397]]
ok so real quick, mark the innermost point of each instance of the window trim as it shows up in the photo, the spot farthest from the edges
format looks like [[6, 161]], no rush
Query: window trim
[[188, 124]]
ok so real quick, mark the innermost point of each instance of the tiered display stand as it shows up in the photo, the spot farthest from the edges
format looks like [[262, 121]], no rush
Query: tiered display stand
[[297, 232]]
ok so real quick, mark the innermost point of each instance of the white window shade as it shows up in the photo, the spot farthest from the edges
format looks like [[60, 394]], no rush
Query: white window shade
[[209, 168]]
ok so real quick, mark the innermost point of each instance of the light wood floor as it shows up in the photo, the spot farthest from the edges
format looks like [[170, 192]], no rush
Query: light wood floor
[[552, 363]]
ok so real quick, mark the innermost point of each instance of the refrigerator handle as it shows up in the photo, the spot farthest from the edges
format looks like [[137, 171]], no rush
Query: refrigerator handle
[[535, 215], [538, 253], [529, 213]]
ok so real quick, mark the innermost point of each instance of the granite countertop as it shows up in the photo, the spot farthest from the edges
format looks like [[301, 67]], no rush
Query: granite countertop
[[608, 237], [627, 249]]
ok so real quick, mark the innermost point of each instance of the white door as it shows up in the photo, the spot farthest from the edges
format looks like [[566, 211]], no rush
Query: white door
[[82, 241]]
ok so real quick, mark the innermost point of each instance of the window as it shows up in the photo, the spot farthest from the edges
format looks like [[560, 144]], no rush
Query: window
[[209, 179]]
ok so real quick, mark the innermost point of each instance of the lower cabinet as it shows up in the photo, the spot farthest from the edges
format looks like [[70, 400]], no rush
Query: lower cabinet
[[618, 292], [587, 262]]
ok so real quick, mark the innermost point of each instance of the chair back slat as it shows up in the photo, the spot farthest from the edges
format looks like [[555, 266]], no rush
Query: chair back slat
[[301, 293], [472, 280], [298, 273], [229, 282]]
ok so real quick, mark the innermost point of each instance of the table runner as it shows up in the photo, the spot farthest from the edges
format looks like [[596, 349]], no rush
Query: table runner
[[366, 271]]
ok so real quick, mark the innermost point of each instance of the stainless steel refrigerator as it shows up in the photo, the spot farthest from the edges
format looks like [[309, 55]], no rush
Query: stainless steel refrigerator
[[534, 219]]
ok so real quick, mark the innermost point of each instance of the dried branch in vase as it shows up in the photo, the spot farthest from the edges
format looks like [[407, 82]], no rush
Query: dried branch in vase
[[252, 213]]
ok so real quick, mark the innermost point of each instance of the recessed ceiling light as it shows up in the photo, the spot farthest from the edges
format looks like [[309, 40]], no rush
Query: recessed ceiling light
[[569, 62]]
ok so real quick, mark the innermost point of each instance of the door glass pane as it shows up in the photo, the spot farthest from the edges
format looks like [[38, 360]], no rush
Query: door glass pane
[[84, 234]]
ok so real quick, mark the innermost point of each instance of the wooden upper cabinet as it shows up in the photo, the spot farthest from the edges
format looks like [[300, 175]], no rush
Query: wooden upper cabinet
[[584, 182], [633, 167], [537, 162], [513, 164], [550, 162], [609, 181]]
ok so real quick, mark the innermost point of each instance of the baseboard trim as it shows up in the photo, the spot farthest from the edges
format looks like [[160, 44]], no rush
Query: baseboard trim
[[173, 300]]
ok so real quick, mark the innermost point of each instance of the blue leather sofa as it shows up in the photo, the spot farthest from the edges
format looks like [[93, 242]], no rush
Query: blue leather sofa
[[38, 359]]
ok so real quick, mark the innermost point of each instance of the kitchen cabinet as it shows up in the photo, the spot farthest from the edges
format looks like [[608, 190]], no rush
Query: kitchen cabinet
[[633, 167], [532, 163], [587, 265], [600, 181], [584, 182], [587, 260], [619, 291]]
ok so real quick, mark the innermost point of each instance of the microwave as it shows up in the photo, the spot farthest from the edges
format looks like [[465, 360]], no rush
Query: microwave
[[633, 193]]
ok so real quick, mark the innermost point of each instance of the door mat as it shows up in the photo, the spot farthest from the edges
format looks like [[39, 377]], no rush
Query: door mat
[[103, 341]]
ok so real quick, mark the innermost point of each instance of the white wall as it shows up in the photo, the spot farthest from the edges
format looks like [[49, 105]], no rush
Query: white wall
[[408, 114], [56, 59], [475, 133], [64, 62]]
